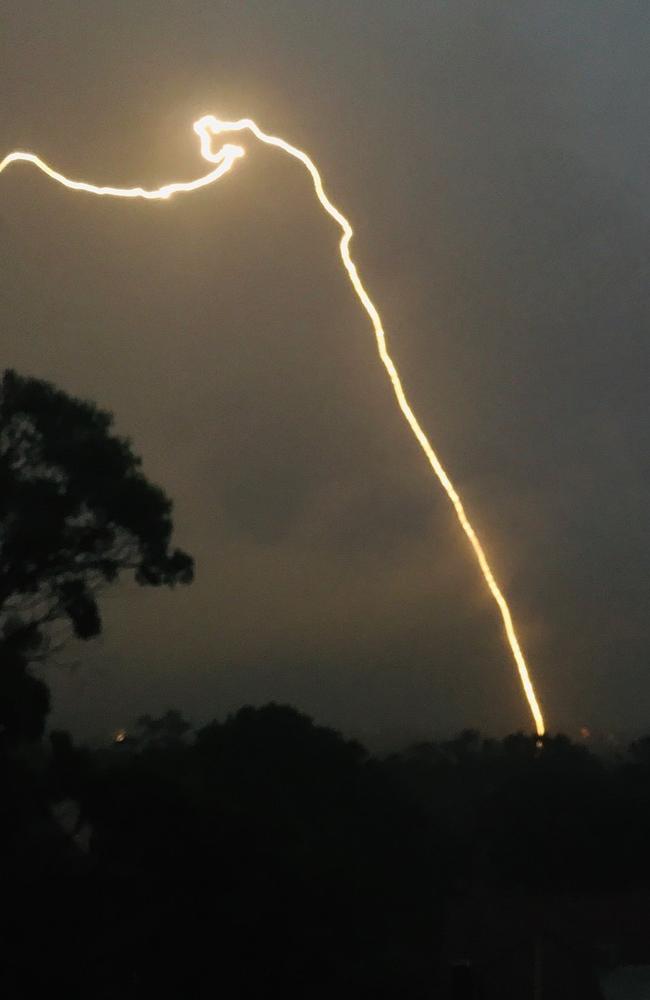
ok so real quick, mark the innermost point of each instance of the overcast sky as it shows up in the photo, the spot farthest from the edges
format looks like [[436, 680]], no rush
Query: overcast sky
[[493, 159]]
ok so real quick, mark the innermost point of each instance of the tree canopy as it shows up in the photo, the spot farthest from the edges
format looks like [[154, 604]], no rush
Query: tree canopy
[[75, 511]]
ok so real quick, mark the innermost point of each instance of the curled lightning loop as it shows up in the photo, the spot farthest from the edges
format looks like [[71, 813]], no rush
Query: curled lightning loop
[[208, 127]]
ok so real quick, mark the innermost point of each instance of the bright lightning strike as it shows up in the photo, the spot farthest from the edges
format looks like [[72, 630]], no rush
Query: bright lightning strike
[[208, 127]]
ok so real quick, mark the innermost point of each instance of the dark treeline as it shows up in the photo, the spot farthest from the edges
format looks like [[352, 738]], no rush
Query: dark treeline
[[263, 855], [266, 853]]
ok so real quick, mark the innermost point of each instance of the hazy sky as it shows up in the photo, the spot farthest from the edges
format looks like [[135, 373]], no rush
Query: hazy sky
[[493, 158]]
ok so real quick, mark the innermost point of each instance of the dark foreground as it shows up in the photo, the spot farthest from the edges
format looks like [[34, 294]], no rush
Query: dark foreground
[[268, 856]]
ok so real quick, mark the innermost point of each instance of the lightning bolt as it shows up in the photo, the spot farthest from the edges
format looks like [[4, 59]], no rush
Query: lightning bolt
[[206, 129]]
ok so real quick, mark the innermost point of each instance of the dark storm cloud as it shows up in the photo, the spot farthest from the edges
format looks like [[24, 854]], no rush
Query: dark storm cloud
[[493, 161]]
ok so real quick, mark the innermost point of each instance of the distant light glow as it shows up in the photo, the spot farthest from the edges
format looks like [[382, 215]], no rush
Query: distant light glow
[[207, 128], [120, 736]]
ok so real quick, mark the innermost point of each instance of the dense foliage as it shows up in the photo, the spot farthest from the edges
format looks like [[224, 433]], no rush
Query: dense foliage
[[75, 512], [266, 853]]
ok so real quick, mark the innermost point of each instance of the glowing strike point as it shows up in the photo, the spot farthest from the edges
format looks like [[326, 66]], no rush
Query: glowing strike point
[[206, 129]]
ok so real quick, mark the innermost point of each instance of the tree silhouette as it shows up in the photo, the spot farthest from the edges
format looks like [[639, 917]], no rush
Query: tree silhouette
[[75, 511], [166, 732]]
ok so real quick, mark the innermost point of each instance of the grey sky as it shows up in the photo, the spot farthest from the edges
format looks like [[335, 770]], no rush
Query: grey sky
[[493, 159]]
